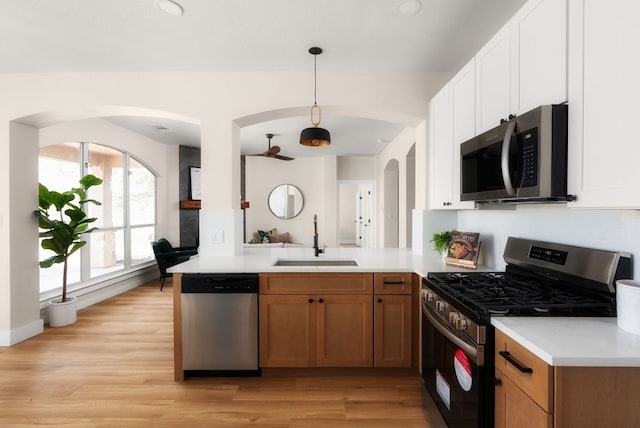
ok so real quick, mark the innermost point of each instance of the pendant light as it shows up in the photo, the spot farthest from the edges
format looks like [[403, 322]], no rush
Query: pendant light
[[315, 136]]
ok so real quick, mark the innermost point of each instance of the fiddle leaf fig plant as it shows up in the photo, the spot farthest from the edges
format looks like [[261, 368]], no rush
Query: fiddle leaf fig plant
[[441, 241], [62, 222]]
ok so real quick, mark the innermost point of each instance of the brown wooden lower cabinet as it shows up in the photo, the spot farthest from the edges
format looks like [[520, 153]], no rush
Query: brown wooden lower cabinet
[[335, 320], [287, 331], [392, 330], [344, 331], [316, 331], [561, 397], [514, 408]]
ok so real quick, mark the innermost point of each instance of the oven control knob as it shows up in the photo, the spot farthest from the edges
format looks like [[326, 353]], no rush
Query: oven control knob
[[454, 317], [430, 296], [440, 306], [461, 323]]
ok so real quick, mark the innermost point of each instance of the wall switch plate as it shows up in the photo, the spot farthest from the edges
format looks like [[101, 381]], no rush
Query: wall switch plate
[[217, 237]]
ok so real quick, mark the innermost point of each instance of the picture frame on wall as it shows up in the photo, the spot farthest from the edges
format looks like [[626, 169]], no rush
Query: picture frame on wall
[[194, 183]]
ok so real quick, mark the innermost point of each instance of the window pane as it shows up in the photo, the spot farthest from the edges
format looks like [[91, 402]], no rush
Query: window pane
[[141, 250], [59, 166], [51, 278], [142, 194], [107, 252], [59, 170], [108, 164]]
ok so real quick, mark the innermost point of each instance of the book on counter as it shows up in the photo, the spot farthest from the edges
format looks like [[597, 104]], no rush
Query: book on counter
[[463, 250]]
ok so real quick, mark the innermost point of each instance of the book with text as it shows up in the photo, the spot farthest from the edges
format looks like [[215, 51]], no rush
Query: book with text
[[463, 250]]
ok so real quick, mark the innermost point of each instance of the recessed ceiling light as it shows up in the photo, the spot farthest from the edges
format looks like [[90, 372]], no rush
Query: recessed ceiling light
[[410, 7], [170, 7]]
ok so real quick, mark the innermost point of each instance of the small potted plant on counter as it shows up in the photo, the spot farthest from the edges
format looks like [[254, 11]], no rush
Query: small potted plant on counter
[[441, 242], [62, 232]]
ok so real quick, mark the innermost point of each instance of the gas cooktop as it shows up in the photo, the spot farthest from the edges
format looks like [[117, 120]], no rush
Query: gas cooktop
[[541, 278], [502, 293]]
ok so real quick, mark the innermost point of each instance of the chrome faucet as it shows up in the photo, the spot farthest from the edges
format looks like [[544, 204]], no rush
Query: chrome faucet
[[316, 249]]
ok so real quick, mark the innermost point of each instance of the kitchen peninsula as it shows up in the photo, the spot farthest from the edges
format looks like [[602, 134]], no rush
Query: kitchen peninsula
[[374, 293]]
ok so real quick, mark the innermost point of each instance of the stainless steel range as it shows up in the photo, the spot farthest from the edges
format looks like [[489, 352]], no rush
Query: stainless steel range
[[541, 279]]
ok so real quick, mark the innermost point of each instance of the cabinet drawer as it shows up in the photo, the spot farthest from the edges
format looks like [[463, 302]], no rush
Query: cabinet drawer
[[532, 375], [392, 283], [515, 409], [316, 283]]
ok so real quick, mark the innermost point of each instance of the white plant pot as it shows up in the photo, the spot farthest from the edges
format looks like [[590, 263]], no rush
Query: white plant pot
[[62, 313]]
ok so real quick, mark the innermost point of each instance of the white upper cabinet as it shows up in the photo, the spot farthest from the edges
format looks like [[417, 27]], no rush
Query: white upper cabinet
[[463, 123], [493, 81], [524, 65], [463, 103], [441, 152], [452, 119], [604, 91], [538, 55]]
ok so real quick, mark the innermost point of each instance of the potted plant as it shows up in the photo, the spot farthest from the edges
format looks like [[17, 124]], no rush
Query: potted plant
[[62, 232], [441, 242]]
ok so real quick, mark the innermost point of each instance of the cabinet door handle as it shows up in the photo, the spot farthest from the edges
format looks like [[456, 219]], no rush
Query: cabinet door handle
[[497, 382], [393, 281], [321, 300], [515, 363], [379, 300], [310, 300]]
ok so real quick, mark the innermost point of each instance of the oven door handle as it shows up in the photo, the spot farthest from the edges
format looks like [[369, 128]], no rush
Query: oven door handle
[[475, 352], [504, 159]]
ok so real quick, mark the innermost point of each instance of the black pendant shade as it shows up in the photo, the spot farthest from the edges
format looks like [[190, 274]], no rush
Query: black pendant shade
[[315, 136]]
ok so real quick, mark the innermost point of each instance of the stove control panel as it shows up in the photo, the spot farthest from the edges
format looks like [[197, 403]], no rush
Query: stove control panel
[[548, 255]]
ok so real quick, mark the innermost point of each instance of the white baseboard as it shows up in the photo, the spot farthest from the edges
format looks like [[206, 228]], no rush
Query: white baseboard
[[11, 337], [87, 297]]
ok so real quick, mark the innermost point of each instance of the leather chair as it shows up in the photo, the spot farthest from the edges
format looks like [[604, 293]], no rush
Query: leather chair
[[167, 255]]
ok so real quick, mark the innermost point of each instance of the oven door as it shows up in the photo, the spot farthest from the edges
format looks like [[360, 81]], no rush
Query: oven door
[[454, 373]]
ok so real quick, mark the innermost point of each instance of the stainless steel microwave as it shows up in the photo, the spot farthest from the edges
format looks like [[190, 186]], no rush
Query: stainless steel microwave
[[522, 160]]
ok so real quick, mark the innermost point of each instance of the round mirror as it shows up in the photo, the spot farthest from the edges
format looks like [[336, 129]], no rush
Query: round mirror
[[286, 201]]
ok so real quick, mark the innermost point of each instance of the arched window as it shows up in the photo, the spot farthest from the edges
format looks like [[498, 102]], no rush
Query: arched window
[[126, 219]]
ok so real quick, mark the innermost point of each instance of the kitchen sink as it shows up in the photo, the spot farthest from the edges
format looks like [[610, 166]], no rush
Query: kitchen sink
[[315, 262]]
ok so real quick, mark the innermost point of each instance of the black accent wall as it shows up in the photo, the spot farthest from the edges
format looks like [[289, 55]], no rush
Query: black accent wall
[[189, 218]]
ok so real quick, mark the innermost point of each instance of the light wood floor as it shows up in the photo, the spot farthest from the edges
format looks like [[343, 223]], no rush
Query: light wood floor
[[114, 367]]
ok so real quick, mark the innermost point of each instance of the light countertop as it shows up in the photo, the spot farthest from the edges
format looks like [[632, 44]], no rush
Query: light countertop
[[368, 259], [559, 341], [582, 342]]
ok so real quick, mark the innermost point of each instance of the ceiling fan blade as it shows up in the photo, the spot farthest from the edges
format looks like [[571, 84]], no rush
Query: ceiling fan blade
[[273, 151]]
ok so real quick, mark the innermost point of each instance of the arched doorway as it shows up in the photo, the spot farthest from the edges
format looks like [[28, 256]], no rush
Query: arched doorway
[[391, 204], [410, 191]]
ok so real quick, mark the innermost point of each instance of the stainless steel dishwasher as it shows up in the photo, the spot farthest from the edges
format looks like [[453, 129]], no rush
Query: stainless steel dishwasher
[[220, 324]]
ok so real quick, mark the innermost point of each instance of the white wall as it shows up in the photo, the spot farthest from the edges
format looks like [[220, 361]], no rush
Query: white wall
[[220, 102], [357, 168], [615, 230], [306, 173]]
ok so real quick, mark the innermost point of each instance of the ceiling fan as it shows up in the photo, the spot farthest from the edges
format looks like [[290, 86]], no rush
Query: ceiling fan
[[272, 152]]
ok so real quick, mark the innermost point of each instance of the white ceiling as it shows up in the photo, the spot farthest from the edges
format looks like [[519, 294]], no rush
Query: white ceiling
[[248, 35]]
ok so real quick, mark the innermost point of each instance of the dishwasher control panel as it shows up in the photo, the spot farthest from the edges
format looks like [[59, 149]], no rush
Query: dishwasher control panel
[[220, 283]]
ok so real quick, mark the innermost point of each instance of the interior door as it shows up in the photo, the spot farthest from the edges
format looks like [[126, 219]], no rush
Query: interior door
[[358, 219], [363, 224]]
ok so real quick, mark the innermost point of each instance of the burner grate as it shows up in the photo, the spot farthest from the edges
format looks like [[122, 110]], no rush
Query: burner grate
[[503, 293]]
